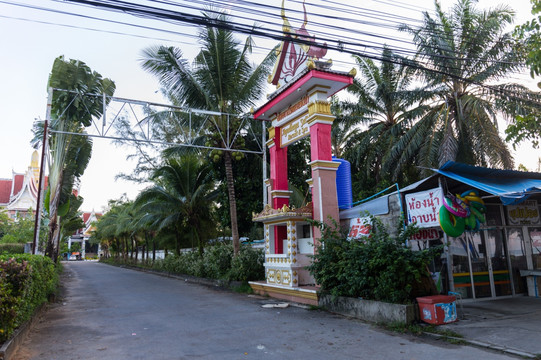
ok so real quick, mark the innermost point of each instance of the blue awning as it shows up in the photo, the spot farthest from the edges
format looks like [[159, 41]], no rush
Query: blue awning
[[513, 187]]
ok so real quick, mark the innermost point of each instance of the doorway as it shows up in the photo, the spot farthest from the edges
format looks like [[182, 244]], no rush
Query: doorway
[[481, 264]]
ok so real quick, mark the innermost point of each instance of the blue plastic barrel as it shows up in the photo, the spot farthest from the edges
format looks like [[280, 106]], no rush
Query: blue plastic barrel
[[343, 184]]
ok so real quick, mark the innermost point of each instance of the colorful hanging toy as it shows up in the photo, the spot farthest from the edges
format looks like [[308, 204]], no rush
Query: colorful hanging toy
[[462, 212]]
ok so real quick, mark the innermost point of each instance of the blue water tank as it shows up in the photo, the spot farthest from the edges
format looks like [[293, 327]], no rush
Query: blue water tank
[[343, 184]]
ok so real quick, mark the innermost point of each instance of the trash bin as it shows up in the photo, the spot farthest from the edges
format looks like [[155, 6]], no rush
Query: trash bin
[[437, 309]]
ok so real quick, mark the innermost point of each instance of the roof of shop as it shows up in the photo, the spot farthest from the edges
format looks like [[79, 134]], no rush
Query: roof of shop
[[511, 186]]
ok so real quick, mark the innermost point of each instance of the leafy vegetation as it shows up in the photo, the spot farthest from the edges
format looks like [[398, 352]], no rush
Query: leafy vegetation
[[70, 152], [26, 281], [223, 80], [377, 267], [216, 262]]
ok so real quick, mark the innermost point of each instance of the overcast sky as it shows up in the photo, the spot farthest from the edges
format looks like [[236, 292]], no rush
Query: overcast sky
[[30, 40]]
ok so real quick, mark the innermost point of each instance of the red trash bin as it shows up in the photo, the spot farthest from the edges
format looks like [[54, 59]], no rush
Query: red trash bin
[[437, 309]]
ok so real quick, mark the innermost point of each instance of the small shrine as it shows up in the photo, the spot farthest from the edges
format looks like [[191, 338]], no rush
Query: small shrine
[[298, 108]]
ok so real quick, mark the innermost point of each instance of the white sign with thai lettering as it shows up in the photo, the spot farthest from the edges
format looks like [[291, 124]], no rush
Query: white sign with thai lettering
[[359, 227], [526, 213], [423, 207]]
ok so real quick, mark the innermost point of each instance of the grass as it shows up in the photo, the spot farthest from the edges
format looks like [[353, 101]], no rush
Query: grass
[[419, 329], [244, 288]]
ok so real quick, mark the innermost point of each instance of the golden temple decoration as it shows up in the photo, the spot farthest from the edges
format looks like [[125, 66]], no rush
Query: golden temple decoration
[[268, 212]]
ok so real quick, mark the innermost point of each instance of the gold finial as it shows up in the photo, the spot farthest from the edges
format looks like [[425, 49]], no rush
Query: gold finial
[[353, 72], [286, 27], [34, 163]]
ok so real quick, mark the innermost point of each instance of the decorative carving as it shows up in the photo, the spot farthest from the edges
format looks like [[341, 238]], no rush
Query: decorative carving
[[319, 107], [268, 212], [286, 277]]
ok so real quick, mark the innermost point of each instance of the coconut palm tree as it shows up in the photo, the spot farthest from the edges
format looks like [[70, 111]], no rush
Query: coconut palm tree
[[221, 79], [181, 199], [463, 56], [385, 105]]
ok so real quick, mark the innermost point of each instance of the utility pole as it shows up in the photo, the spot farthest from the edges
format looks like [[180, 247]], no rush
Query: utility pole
[[39, 202]]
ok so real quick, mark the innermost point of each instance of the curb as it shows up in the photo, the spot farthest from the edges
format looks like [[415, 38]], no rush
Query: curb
[[481, 344], [216, 283], [11, 345]]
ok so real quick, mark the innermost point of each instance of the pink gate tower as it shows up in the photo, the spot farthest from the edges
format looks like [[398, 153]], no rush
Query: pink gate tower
[[298, 108]]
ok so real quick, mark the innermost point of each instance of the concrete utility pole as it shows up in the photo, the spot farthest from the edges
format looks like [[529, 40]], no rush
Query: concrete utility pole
[[39, 202]]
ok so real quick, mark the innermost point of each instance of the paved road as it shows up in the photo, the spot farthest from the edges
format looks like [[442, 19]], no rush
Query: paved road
[[116, 313]]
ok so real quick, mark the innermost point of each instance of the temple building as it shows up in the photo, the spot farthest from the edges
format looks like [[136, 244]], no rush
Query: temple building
[[18, 195]]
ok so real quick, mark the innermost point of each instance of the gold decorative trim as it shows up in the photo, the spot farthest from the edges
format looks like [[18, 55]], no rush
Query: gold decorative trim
[[268, 212], [281, 193], [272, 132], [322, 118], [296, 292], [324, 164], [311, 90], [319, 107], [353, 72]]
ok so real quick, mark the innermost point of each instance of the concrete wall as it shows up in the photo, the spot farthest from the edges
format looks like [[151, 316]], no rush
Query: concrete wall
[[391, 219], [373, 311]]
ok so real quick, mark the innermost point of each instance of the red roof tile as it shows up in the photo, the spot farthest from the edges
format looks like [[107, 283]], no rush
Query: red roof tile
[[5, 190], [19, 179]]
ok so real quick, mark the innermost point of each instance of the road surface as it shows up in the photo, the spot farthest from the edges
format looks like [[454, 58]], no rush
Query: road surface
[[108, 312]]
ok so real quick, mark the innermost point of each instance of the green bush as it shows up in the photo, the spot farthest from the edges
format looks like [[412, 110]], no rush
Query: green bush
[[25, 283], [377, 267], [11, 249], [248, 265], [217, 262]]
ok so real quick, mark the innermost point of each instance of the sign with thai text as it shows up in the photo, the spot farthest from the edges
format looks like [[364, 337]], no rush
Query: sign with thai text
[[295, 130], [426, 234], [526, 213], [359, 227], [423, 207], [296, 106]]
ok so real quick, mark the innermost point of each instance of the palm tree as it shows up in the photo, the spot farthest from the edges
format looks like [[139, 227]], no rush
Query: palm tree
[[222, 80], [71, 112], [462, 57], [180, 200], [384, 104]]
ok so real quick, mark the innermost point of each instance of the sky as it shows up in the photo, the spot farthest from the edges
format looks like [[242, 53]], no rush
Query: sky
[[30, 40]]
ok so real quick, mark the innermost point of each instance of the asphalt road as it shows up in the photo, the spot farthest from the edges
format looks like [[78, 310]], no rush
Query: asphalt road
[[108, 312]]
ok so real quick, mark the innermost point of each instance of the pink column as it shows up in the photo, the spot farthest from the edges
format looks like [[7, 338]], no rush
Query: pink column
[[278, 173], [324, 196]]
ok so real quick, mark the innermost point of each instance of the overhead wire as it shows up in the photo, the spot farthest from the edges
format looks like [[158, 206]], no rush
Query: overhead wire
[[352, 42], [97, 3]]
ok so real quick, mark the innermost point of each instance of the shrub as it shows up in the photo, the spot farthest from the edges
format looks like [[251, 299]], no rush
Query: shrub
[[217, 262], [248, 265], [25, 283], [11, 249], [376, 267]]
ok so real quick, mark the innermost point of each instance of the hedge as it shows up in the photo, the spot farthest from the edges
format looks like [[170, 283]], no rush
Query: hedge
[[11, 249], [26, 281]]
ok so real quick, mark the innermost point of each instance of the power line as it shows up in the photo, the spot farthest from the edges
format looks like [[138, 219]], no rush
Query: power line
[[199, 20]]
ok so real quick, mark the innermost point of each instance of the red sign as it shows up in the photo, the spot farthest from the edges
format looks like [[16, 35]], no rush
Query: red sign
[[359, 227], [426, 234]]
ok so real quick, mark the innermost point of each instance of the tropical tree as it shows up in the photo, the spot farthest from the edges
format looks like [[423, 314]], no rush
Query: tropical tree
[[222, 80], [70, 152], [385, 105], [462, 57], [180, 200], [528, 127]]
